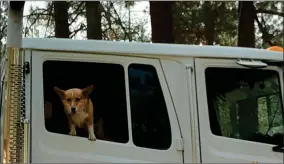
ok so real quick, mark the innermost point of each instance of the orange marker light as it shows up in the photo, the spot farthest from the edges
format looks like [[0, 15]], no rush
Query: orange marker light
[[275, 48]]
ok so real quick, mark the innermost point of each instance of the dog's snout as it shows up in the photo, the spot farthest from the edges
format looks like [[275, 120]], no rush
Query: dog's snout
[[73, 109]]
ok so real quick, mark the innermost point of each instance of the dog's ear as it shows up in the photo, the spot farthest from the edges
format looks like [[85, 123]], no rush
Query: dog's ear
[[60, 92], [87, 91]]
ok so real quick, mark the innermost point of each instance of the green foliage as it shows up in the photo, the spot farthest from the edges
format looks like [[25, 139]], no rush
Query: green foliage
[[226, 23], [271, 15], [128, 4], [189, 22]]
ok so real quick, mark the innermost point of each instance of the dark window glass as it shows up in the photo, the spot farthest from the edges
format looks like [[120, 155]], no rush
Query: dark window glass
[[150, 121], [245, 104]]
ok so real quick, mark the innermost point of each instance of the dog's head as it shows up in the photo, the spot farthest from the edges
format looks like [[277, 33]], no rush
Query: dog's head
[[74, 99]]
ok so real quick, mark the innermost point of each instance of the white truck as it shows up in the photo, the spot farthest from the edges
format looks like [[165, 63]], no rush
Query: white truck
[[161, 103]]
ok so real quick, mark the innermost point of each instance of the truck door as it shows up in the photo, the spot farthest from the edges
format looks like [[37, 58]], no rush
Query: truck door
[[133, 111], [240, 112]]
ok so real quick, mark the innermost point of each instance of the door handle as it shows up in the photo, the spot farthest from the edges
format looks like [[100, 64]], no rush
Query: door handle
[[278, 148]]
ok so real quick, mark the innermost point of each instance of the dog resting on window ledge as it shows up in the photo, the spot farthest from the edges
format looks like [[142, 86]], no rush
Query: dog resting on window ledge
[[78, 108]]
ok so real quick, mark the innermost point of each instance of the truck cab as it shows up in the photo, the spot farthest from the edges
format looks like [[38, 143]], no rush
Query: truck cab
[[163, 103]]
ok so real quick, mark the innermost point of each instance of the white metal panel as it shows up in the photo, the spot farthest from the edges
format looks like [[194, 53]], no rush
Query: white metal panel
[[174, 73], [52, 147], [217, 149], [183, 97], [148, 49]]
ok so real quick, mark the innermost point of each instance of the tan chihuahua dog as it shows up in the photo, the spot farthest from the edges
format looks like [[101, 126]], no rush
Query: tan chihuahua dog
[[78, 108]]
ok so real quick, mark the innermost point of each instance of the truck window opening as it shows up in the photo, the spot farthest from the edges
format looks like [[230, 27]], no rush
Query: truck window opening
[[108, 96], [245, 104]]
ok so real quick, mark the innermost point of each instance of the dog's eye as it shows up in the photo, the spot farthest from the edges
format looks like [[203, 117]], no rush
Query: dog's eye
[[78, 99], [68, 100]]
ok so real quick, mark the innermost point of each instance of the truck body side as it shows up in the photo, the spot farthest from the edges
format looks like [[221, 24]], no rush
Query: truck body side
[[156, 101]]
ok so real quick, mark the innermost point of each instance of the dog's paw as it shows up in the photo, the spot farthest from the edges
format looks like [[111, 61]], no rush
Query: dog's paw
[[72, 133], [92, 137]]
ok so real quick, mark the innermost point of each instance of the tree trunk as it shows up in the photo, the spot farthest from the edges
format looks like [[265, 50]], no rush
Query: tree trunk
[[93, 15], [61, 19], [209, 21], [246, 36], [162, 21]]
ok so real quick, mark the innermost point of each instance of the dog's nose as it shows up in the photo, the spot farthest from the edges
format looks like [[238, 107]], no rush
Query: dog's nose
[[73, 109]]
